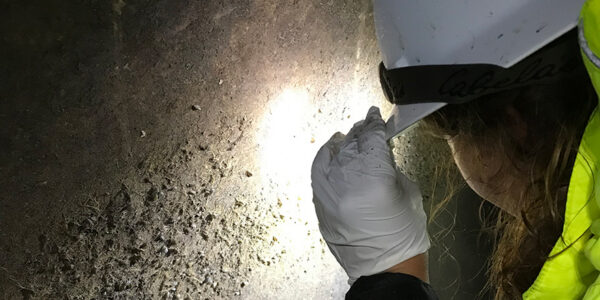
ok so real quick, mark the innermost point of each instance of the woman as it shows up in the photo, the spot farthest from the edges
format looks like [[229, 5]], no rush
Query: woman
[[533, 151], [517, 150]]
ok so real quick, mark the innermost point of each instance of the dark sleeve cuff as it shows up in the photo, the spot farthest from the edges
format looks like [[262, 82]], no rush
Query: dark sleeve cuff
[[391, 286]]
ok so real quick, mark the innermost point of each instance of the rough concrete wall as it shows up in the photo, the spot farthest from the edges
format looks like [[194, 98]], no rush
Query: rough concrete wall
[[162, 149]]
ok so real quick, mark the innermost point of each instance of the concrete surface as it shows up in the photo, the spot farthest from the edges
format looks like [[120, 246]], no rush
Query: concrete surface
[[161, 150]]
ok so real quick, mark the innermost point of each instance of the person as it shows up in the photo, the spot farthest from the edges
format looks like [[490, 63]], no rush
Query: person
[[533, 150]]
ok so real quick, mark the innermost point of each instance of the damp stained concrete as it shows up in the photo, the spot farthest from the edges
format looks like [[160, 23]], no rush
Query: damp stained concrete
[[162, 150]]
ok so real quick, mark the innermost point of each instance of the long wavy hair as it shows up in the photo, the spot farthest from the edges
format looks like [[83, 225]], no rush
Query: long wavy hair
[[555, 117]]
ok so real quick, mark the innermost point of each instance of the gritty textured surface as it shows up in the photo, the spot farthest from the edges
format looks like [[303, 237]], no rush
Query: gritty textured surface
[[134, 136], [162, 150]]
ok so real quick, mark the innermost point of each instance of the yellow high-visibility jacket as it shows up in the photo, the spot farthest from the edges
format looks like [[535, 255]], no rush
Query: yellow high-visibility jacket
[[574, 273]]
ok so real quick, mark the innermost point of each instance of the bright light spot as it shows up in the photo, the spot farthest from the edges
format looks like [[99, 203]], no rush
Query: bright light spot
[[288, 144], [292, 130], [285, 142]]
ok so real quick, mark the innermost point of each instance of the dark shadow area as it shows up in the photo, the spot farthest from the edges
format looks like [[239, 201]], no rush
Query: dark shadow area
[[460, 250]]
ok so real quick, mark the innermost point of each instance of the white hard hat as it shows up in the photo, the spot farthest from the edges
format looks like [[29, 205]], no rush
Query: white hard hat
[[451, 51]]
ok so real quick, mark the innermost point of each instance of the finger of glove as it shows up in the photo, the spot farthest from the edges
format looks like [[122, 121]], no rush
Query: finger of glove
[[349, 147], [372, 137], [352, 135], [335, 142], [324, 156], [347, 156]]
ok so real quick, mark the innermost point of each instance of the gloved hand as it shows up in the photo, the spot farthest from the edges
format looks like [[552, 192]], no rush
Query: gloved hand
[[370, 215]]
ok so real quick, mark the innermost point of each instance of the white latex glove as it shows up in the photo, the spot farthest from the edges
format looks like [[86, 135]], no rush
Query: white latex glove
[[370, 215]]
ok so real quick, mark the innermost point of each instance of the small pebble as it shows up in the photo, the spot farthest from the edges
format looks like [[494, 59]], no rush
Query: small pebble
[[196, 107], [249, 174], [143, 133]]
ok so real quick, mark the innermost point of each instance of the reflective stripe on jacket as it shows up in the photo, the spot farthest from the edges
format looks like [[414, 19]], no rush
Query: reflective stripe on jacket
[[572, 271]]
